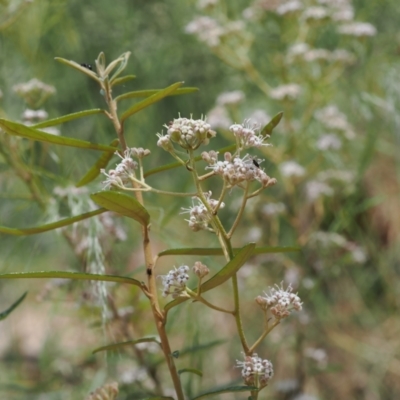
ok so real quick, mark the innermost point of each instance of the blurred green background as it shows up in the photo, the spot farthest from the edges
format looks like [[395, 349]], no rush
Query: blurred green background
[[337, 194]]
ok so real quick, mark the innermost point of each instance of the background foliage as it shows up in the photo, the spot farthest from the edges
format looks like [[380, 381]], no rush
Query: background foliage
[[346, 343]]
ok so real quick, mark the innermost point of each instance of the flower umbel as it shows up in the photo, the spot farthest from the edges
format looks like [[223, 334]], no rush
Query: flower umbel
[[188, 133], [248, 136], [199, 216], [280, 301], [175, 281], [256, 371], [123, 171]]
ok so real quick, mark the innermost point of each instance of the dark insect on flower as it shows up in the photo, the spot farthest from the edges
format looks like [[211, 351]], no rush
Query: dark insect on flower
[[255, 162], [88, 66]]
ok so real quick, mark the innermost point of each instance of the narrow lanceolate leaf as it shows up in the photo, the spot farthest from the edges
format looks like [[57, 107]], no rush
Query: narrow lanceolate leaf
[[150, 100], [229, 389], [79, 67], [192, 371], [267, 130], [230, 269], [16, 129], [10, 309], [122, 60], [122, 204], [151, 92], [221, 276], [117, 346], [102, 162], [52, 226], [76, 276], [122, 80], [200, 251], [67, 118]]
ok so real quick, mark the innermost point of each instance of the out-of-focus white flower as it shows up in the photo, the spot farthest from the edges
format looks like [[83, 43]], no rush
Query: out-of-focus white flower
[[234, 97], [203, 4], [315, 13], [318, 355], [332, 118], [343, 56], [289, 7], [52, 130], [218, 117], [207, 30], [358, 29], [330, 141], [317, 55], [316, 189], [290, 91], [29, 115], [292, 169], [260, 117], [271, 209]]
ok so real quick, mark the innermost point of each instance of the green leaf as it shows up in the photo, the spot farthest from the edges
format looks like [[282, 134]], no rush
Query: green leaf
[[192, 371], [123, 62], [79, 67], [267, 130], [228, 389], [150, 100], [123, 79], [151, 92], [204, 251], [117, 346], [221, 276], [122, 204], [178, 164], [76, 276], [102, 162], [16, 129], [67, 118], [6, 313], [230, 269], [52, 226]]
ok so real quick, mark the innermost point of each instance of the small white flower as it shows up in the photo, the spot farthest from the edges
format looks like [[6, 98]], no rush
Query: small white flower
[[316, 13], [358, 29], [290, 91], [235, 97], [174, 282], [271, 209], [292, 169], [329, 141], [280, 302], [248, 136], [207, 30], [289, 7], [316, 189], [255, 370]]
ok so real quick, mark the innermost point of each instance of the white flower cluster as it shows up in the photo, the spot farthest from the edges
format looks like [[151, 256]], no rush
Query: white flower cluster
[[234, 97], [281, 302], [236, 170], [188, 133], [123, 171], [174, 283], [199, 216], [290, 91], [30, 115], [33, 86], [206, 29], [331, 117], [358, 29], [256, 371], [247, 135]]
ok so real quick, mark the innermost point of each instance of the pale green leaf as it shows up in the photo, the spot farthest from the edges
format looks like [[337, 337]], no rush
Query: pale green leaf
[[122, 80], [76, 276], [67, 118], [79, 67], [150, 100], [117, 346], [123, 204], [151, 92], [267, 130], [192, 371], [16, 129], [52, 226], [206, 251]]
